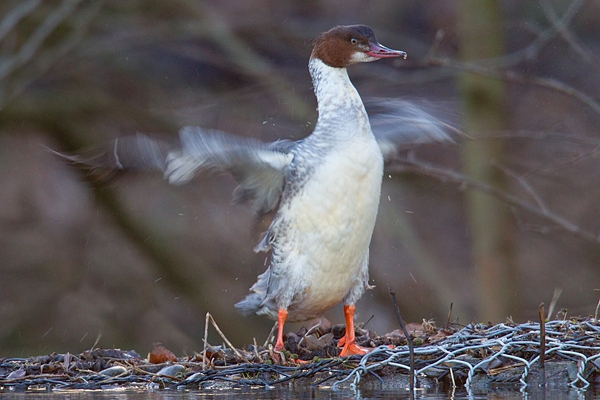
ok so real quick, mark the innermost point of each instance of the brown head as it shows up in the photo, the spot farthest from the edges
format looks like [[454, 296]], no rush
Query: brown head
[[350, 44]]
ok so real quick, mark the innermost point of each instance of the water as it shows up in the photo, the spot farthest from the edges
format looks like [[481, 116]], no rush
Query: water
[[299, 393]]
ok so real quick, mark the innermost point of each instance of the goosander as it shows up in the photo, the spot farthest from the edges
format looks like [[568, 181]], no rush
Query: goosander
[[325, 188]]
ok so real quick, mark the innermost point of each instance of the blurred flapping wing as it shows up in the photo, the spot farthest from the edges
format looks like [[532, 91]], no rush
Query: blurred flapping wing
[[399, 124], [258, 167]]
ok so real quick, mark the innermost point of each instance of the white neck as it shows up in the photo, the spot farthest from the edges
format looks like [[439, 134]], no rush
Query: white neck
[[338, 101]]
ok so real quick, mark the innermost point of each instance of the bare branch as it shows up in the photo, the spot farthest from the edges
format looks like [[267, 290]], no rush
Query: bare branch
[[494, 67], [17, 14], [447, 175], [218, 30], [35, 41], [590, 154], [523, 182], [560, 25], [540, 135], [44, 61], [511, 76], [531, 52]]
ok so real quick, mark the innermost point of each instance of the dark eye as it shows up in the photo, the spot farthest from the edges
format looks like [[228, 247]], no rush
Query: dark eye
[[353, 41]]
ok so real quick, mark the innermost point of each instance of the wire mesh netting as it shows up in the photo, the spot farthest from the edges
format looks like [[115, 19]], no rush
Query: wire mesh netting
[[474, 355]]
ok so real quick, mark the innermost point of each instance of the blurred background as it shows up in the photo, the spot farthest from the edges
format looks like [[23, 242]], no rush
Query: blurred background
[[490, 226]]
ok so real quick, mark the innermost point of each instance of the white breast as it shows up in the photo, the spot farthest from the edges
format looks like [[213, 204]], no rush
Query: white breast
[[331, 223]]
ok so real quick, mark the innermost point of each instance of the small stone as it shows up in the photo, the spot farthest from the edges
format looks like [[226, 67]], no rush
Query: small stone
[[114, 371], [172, 371]]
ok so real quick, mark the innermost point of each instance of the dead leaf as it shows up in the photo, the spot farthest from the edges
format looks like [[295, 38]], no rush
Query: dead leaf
[[161, 355]]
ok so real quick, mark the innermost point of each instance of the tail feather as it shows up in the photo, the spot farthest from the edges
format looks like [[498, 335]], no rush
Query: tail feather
[[250, 305], [259, 301]]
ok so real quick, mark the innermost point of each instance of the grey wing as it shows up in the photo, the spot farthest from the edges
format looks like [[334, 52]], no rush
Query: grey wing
[[135, 152], [397, 124], [258, 167]]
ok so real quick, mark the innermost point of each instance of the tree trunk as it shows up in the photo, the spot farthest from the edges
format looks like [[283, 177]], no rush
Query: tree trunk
[[484, 110]]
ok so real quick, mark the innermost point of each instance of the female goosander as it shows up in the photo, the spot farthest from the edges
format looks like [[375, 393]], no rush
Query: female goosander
[[320, 235], [325, 188]]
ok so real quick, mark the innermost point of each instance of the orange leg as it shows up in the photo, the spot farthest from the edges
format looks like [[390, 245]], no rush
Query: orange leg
[[349, 340], [281, 317]]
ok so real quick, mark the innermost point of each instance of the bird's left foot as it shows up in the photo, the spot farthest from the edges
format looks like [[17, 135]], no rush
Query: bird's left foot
[[351, 348]]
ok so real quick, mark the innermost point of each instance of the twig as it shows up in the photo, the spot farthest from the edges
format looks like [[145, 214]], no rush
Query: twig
[[270, 335], [542, 345], [308, 332], [205, 341], [597, 308], [367, 322], [452, 378], [97, 340], [449, 316], [409, 339], [256, 350], [237, 353]]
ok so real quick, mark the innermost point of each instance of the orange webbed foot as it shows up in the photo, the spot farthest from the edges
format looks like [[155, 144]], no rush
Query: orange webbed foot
[[348, 342], [281, 317], [351, 349], [299, 361], [279, 345]]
